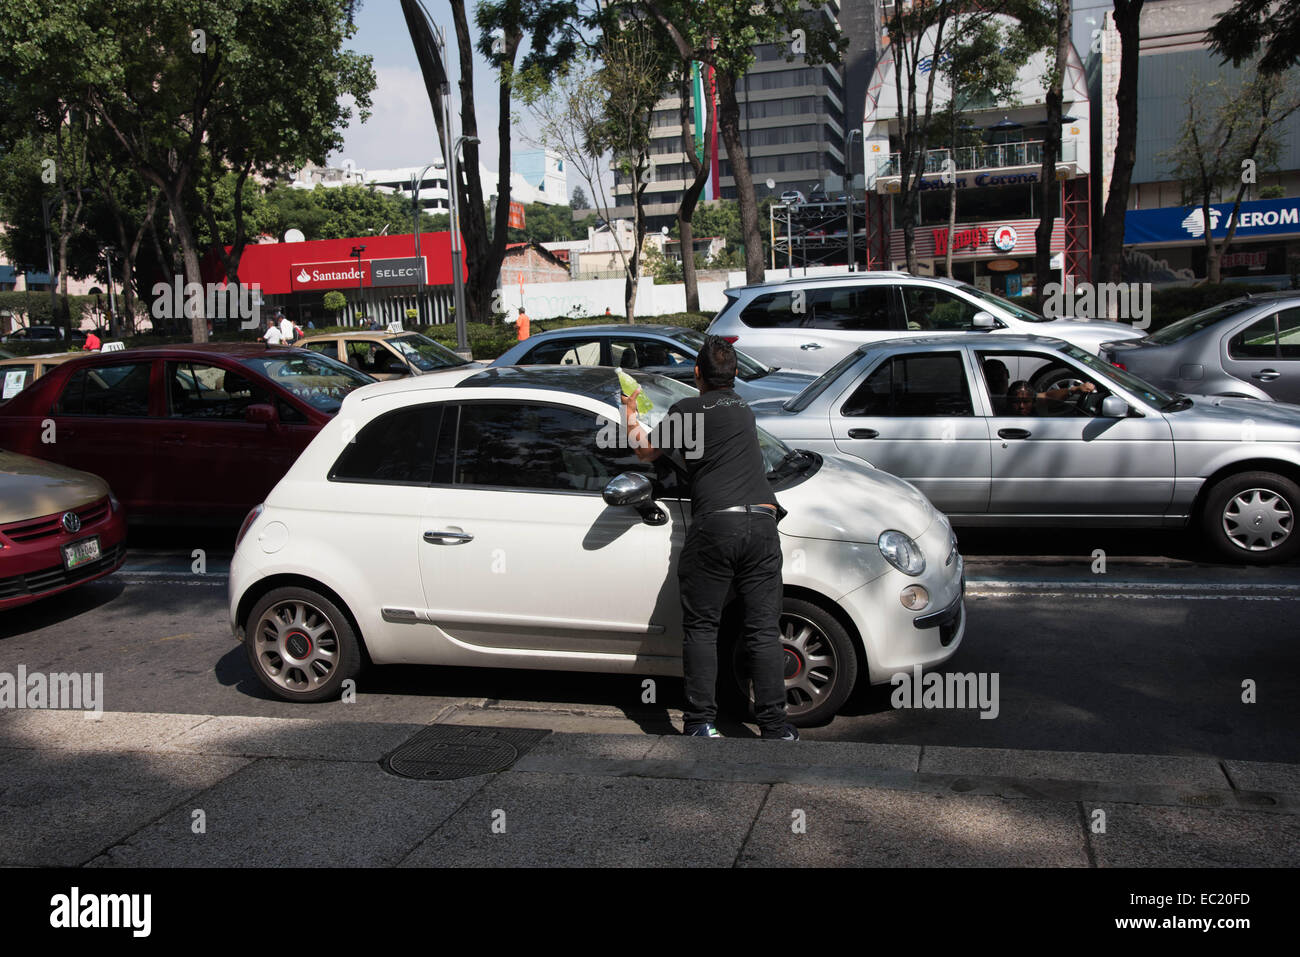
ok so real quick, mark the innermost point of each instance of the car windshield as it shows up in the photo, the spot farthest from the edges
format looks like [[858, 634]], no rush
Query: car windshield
[[819, 385], [747, 367], [1140, 387], [1189, 325], [318, 380], [1020, 312], [663, 392], [425, 354]]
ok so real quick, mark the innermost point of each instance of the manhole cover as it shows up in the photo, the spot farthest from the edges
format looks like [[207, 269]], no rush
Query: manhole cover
[[444, 752]]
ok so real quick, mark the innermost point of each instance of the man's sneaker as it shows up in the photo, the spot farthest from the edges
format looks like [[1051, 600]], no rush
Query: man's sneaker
[[786, 732], [701, 731]]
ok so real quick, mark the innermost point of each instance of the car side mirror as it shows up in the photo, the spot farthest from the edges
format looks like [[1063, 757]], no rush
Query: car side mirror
[[982, 320], [1113, 407], [628, 488], [262, 413], [635, 489]]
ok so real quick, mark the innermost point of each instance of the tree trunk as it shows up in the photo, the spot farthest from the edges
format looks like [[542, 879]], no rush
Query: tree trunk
[[691, 197], [1047, 183], [190, 258], [729, 122], [1110, 243]]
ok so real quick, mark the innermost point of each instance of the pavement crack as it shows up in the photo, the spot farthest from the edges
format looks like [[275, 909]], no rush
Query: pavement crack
[[762, 805]]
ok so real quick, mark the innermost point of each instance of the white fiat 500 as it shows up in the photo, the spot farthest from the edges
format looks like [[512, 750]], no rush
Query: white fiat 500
[[492, 518]]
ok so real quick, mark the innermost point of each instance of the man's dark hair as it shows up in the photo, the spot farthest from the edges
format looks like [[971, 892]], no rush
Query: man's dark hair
[[717, 362], [1020, 385]]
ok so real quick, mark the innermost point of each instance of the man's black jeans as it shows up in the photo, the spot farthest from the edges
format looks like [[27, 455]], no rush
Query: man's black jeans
[[723, 549]]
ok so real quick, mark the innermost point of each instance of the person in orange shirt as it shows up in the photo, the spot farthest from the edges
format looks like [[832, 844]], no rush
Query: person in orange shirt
[[521, 324]]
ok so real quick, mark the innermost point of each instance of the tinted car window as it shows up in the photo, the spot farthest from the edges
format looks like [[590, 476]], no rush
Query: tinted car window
[[931, 308], [319, 381], [1288, 333], [517, 445], [776, 310], [651, 354], [564, 352], [853, 308], [107, 390], [327, 347], [396, 448], [930, 384], [1194, 323], [821, 383], [1257, 341], [199, 391]]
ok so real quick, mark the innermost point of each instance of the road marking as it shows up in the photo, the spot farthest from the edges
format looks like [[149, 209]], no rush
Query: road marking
[[186, 634]]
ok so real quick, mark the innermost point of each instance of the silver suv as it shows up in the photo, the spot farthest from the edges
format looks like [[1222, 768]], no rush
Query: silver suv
[[810, 323]]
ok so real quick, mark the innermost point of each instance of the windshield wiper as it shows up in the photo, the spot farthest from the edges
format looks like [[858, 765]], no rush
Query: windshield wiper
[[1177, 403], [792, 462]]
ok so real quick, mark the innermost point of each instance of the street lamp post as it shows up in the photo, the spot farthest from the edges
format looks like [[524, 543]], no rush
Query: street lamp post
[[416, 185], [361, 302], [848, 194], [112, 299]]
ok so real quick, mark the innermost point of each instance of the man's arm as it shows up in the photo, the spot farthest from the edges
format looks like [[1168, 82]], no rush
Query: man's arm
[[636, 433]]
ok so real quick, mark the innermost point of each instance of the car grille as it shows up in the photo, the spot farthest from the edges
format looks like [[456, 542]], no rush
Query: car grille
[[47, 579], [34, 530]]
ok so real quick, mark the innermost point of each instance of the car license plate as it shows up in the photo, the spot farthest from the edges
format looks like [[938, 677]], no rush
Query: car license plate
[[79, 553]]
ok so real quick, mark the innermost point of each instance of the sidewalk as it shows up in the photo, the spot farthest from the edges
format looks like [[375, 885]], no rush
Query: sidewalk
[[195, 790]]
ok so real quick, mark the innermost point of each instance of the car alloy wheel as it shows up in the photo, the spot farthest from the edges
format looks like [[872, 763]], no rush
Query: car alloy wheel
[[1258, 520], [819, 660], [810, 664]]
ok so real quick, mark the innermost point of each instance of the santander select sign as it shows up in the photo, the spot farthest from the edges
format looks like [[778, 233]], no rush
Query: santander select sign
[[333, 275]]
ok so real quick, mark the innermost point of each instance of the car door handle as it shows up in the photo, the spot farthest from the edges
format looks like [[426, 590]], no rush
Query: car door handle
[[1013, 433], [448, 538], [1266, 375], [863, 433], [811, 345]]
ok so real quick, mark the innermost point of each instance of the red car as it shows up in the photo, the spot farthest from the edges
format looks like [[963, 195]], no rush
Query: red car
[[59, 528], [193, 434]]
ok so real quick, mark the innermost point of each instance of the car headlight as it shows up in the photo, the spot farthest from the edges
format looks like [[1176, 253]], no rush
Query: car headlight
[[901, 552]]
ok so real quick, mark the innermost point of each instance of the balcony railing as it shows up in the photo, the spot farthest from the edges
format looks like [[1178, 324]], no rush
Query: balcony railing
[[992, 156]]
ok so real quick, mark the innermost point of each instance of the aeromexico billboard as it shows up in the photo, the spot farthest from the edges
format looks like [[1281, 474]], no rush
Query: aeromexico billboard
[[342, 274], [1176, 224]]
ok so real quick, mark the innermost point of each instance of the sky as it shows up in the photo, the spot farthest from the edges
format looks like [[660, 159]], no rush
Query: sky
[[401, 131]]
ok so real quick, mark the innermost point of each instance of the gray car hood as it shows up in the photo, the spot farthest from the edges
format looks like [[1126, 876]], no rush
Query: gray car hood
[[1228, 415], [1095, 331], [781, 384]]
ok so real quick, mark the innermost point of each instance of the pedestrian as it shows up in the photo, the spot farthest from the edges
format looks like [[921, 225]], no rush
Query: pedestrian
[[732, 541], [286, 329], [92, 342], [521, 324], [607, 312], [272, 335]]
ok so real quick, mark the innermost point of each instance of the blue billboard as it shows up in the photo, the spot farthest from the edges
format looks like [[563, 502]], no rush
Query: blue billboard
[[1176, 224]]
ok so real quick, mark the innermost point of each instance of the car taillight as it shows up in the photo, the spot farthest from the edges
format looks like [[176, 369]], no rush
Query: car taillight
[[1119, 365], [248, 522], [732, 339]]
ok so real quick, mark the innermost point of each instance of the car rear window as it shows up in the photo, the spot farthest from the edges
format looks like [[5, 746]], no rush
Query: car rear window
[[116, 390], [396, 449], [1190, 325], [777, 310], [318, 380]]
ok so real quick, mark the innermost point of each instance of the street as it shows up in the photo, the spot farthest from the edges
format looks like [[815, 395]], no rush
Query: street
[[1148, 658]]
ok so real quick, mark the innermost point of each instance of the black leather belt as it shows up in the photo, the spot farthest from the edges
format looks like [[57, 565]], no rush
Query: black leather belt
[[754, 509]]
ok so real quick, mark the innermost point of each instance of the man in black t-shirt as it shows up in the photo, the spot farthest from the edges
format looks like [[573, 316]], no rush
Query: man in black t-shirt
[[732, 540]]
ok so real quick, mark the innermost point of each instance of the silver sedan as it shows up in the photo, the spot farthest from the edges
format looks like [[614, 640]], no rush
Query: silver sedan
[[968, 422], [1247, 347]]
